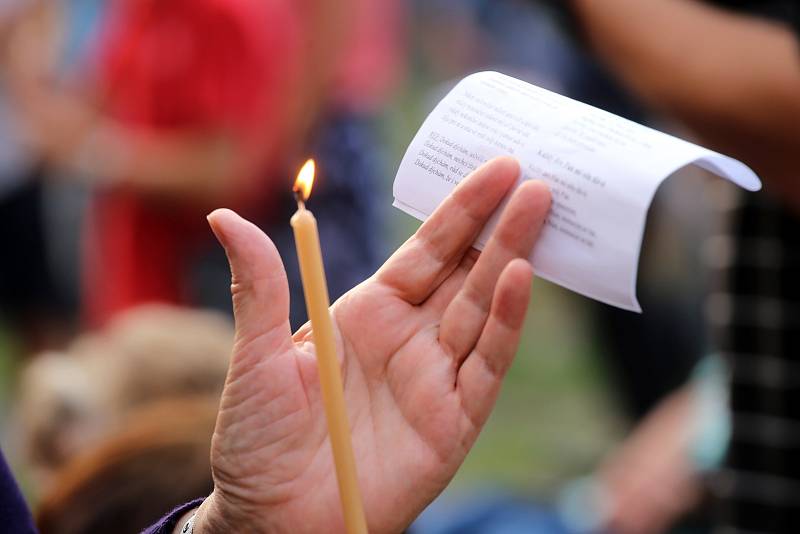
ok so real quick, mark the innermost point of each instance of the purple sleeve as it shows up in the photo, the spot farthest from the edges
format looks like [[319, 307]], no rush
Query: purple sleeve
[[167, 523], [14, 512], [16, 518]]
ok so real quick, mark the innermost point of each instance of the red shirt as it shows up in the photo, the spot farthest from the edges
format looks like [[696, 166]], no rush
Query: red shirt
[[183, 66], [208, 66]]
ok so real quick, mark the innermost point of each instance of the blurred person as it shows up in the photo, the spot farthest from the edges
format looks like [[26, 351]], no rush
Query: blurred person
[[67, 402], [352, 61], [42, 210], [30, 303], [689, 429], [653, 478], [158, 460], [418, 400], [650, 356], [185, 93], [192, 112], [731, 73], [647, 355], [650, 481]]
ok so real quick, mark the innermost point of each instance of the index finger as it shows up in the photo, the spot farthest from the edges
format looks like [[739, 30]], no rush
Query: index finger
[[430, 255]]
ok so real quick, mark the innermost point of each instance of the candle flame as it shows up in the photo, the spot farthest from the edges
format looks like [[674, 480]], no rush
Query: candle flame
[[305, 180]]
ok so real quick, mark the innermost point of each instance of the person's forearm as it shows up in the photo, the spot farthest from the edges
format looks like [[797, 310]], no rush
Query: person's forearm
[[732, 79], [203, 168], [194, 167], [70, 134]]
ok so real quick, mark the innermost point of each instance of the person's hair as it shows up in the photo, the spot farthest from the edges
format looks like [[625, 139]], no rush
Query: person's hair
[[129, 481], [68, 401]]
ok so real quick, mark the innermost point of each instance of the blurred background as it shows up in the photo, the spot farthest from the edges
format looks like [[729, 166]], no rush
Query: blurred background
[[124, 122]]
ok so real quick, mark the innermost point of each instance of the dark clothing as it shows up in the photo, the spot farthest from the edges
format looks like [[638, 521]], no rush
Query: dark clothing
[[346, 202], [167, 523], [780, 10], [15, 518], [28, 290], [757, 317]]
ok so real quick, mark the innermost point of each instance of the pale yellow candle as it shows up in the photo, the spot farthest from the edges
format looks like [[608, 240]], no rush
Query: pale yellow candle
[[315, 289]]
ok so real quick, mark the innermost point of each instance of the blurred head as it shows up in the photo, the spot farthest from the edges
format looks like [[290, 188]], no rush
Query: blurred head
[[128, 481], [69, 401]]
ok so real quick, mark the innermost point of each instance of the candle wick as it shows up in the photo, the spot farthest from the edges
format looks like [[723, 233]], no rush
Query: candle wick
[[298, 197]]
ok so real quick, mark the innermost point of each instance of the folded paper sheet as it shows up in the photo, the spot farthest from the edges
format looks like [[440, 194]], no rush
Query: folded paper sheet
[[603, 172]]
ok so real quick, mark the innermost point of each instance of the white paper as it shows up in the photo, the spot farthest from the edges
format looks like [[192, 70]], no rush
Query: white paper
[[603, 172]]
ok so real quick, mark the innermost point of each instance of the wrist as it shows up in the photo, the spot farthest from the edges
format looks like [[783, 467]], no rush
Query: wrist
[[185, 523], [217, 516]]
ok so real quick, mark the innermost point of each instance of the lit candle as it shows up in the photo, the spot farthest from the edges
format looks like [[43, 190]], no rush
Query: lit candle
[[315, 289]]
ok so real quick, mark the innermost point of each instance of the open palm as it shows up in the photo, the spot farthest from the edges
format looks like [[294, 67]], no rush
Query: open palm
[[424, 344]]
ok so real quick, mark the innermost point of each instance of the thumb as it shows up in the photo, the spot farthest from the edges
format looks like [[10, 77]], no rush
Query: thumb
[[258, 281]]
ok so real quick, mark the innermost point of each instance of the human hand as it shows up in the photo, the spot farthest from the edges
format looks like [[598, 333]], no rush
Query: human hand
[[651, 481], [425, 343]]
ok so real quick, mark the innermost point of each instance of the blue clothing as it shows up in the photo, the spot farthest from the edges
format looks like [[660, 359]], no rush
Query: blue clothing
[[83, 21], [347, 202], [488, 512]]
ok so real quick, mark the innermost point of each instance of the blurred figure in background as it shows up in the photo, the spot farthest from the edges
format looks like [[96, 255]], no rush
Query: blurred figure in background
[[200, 104], [68, 402], [355, 76], [176, 124], [159, 460], [647, 356], [650, 355], [687, 425], [734, 79], [190, 105], [30, 301]]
